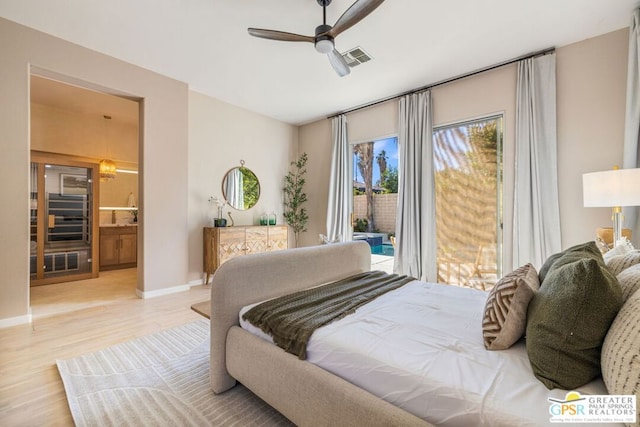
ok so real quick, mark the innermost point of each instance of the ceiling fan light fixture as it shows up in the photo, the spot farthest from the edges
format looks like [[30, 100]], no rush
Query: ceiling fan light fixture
[[324, 45], [325, 34]]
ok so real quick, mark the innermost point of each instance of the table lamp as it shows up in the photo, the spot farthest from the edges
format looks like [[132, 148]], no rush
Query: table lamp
[[615, 188]]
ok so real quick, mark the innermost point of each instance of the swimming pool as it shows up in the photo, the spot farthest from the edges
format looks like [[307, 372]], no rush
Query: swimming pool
[[383, 249]]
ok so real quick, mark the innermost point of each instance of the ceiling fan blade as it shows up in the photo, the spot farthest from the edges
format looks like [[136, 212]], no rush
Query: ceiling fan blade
[[358, 11], [279, 35], [338, 63]]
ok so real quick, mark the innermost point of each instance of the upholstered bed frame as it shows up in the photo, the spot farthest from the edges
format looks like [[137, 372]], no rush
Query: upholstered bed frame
[[304, 393]]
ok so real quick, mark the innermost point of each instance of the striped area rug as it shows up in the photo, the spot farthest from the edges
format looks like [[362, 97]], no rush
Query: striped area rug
[[158, 380]]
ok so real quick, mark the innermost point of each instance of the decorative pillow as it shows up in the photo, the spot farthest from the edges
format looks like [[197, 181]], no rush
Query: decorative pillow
[[568, 319], [622, 247], [505, 312], [619, 263], [629, 281], [569, 255], [621, 351]]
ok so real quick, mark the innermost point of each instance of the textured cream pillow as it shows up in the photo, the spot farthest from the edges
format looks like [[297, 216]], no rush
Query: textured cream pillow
[[629, 281], [619, 263], [505, 312], [621, 351], [623, 247]]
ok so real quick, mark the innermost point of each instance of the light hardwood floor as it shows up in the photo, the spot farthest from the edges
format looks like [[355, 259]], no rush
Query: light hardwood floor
[[71, 319]]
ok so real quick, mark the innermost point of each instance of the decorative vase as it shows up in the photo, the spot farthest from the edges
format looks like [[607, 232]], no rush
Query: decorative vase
[[219, 222], [272, 219]]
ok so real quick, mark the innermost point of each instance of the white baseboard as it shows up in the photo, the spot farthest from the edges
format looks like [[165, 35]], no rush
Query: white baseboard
[[162, 292], [197, 282], [14, 321]]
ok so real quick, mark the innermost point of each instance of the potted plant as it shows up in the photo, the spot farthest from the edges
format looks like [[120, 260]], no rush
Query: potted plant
[[295, 214]]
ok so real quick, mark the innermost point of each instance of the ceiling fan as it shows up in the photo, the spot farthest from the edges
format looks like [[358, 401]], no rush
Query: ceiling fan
[[324, 40]]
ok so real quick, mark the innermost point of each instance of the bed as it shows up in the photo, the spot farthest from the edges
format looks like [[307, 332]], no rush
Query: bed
[[345, 394]]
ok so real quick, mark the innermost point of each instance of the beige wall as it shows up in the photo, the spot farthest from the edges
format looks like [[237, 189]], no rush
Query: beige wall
[[220, 135], [81, 134], [592, 79], [74, 133], [315, 140], [591, 84], [164, 261]]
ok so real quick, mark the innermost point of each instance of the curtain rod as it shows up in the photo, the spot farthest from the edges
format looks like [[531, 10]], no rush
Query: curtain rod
[[449, 80]]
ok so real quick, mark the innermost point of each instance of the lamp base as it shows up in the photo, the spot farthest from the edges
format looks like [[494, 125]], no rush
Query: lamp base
[[617, 225], [606, 234]]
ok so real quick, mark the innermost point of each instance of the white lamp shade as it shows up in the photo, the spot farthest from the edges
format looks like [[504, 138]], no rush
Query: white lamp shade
[[618, 187]]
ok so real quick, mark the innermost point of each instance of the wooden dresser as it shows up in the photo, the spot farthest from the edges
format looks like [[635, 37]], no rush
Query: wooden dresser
[[223, 243]]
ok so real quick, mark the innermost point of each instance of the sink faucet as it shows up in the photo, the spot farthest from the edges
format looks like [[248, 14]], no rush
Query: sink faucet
[[113, 216]]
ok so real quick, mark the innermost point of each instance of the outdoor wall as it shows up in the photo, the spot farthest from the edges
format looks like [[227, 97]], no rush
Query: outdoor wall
[[384, 210], [591, 86], [163, 255], [220, 135]]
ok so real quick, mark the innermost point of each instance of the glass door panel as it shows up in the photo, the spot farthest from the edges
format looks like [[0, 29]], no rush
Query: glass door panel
[[375, 195], [61, 220], [468, 183], [68, 220], [33, 222]]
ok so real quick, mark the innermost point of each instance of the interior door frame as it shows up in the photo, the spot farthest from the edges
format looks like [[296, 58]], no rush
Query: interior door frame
[[67, 160]]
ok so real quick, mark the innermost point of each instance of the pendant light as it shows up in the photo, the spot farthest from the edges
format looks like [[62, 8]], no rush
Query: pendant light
[[107, 170], [107, 166]]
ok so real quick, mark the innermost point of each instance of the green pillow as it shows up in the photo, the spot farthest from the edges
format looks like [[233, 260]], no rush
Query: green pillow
[[574, 253], [568, 319]]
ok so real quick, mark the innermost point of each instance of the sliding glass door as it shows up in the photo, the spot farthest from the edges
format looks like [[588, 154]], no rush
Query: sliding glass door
[[62, 221], [468, 181], [375, 197]]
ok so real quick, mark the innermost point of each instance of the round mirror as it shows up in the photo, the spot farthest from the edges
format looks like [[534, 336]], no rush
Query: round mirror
[[241, 188]]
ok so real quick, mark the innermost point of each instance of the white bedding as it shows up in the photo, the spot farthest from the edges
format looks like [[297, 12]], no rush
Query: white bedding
[[420, 348]]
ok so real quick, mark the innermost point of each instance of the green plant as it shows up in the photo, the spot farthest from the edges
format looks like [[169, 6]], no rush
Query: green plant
[[295, 215], [361, 225]]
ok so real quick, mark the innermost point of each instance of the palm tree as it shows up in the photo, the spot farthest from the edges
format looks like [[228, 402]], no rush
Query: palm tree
[[381, 159], [365, 165]]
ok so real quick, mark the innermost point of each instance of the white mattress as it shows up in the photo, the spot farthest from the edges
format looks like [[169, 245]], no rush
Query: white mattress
[[420, 348]]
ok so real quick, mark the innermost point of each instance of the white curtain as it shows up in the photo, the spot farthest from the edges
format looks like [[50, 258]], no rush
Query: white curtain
[[631, 156], [415, 252], [536, 222], [341, 185]]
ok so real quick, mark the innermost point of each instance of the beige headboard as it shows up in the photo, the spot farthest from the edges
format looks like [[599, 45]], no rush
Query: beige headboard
[[249, 279]]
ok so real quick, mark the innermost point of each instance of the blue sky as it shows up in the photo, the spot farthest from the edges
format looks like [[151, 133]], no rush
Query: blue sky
[[390, 146]]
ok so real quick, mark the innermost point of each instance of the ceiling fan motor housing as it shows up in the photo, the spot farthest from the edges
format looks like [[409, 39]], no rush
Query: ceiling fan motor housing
[[324, 43]]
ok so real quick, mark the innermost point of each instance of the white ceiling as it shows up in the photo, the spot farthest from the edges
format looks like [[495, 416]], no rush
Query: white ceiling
[[413, 42]]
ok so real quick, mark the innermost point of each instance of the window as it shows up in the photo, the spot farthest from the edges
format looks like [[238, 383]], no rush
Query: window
[[468, 182]]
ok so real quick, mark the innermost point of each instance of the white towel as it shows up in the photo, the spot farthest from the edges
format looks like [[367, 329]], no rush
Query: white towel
[[132, 201]]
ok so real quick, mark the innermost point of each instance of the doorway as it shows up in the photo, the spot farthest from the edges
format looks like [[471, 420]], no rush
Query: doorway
[[468, 197], [70, 135], [375, 197]]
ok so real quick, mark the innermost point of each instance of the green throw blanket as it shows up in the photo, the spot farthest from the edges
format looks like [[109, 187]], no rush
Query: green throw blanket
[[291, 319]]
